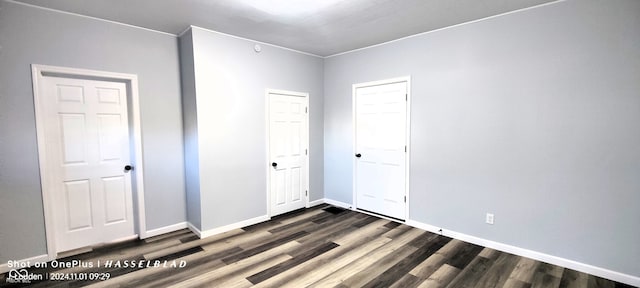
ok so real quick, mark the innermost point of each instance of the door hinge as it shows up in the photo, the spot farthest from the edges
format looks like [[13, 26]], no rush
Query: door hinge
[[306, 152], [405, 148], [306, 110], [406, 97], [405, 199], [306, 192]]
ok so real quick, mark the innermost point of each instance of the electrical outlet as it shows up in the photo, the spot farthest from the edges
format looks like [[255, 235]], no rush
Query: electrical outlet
[[489, 218]]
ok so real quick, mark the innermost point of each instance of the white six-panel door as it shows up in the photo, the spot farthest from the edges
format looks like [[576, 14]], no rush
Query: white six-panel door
[[380, 148], [288, 136], [87, 148]]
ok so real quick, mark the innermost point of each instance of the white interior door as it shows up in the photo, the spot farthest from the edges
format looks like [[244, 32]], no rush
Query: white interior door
[[288, 137], [380, 141], [87, 149]]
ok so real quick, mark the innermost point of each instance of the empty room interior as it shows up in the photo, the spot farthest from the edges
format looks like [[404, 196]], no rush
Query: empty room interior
[[334, 143]]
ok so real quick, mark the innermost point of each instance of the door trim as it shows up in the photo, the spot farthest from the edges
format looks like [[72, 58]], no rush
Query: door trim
[[406, 79], [131, 81], [268, 141]]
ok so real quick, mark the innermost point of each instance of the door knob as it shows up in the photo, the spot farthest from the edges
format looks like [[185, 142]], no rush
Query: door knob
[[128, 168], [274, 164], [358, 155]]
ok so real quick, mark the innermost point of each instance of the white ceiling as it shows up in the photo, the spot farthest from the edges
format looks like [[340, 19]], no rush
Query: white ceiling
[[341, 26]]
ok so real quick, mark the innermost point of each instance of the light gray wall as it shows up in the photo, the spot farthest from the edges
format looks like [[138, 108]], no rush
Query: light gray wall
[[190, 126], [231, 80], [30, 35], [534, 116]]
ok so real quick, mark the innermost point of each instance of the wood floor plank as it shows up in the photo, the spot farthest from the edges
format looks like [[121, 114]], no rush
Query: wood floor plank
[[547, 276], [265, 236], [192, 244], [337, 225], [196, 266], [320, 217], [197, 263], [597, 282], [235, 274], [471, 274], [397, 231], [489, 253], [212, 254], [264, 247], [523, 272], [306, 215], [407, 281], [573, 279], [433, 263], [239, 279], [189, 238], [365, 230], [326, 267], [351, 248], [441, 277], [235, 283], [236, 240], [392, 225], [286, 218], [316, 248], [289, 264], [377, 267], [516, 284], [311, 218], [366, 221], [545, 281], [426, 238], [546, 268], [360, 264], [178, 254], [244, 266], [499, 272], [464, 256], [293, 221], [113, 252], [395, 272], [298, 221]]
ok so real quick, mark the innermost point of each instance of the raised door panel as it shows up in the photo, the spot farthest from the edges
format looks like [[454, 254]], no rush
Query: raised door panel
[[73, 139], [77, 208], [115, 199], [110, 137]]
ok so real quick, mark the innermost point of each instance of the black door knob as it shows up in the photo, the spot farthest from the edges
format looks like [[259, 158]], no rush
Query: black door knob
[[128, 168], [274, 164], [358, 155]]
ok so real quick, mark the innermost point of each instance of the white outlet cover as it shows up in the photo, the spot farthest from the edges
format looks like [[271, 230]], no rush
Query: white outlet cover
[[489, 218]]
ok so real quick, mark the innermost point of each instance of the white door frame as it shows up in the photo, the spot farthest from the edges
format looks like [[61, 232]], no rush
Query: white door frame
[[131, 81], [406, 79], [268, 141]]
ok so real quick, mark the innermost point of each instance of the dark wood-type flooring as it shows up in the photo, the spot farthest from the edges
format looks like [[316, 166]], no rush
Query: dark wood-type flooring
[[316, 248]]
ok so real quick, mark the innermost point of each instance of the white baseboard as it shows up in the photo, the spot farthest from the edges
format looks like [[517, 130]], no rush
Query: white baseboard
[[586, 268], [28, 262], [222, 229], [164, 230], [315, 203], [338, 203]]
